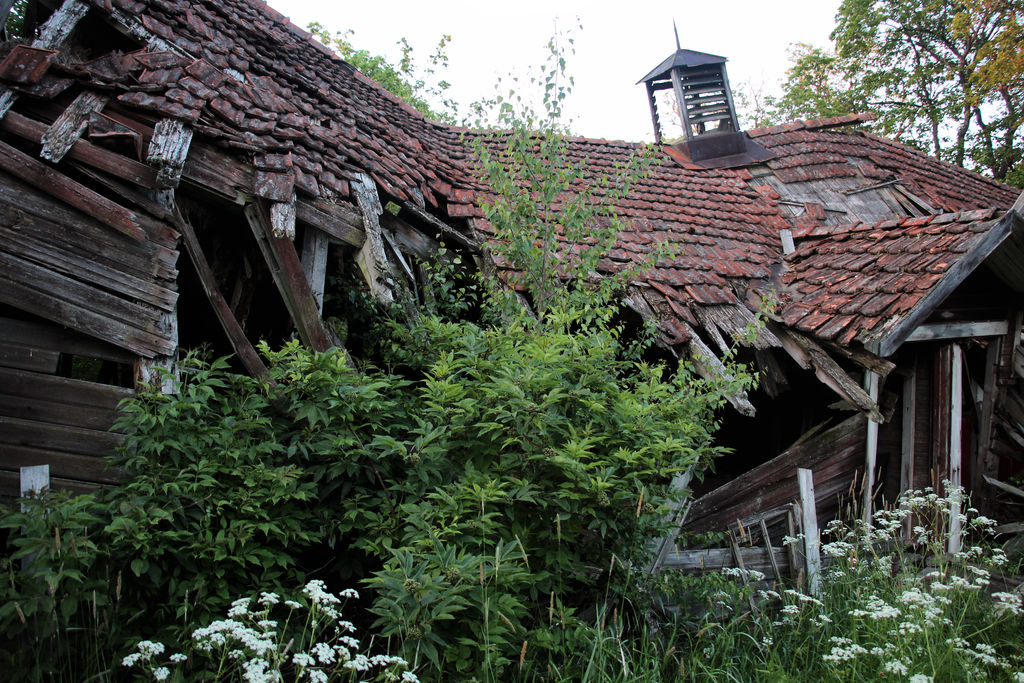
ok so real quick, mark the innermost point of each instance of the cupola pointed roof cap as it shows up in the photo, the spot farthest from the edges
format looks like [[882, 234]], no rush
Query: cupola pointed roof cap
[[687, 58]]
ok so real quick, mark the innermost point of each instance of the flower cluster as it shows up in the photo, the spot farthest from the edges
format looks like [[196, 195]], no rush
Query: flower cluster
[[305, 642]]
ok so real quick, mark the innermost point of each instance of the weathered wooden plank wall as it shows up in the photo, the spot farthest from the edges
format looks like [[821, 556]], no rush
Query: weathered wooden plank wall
[[50, 420]]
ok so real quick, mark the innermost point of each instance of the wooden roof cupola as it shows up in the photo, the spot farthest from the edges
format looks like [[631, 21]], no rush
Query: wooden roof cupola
[[711, 128]]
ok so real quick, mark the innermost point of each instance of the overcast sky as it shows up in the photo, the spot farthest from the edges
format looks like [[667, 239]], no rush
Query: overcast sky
[[617, 45]]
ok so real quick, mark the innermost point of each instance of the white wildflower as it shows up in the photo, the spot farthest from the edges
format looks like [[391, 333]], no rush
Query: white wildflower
[[161, 673], [303, 660], [895, 666], [239, 608], [178, 657], [919, 678], [269, 599]]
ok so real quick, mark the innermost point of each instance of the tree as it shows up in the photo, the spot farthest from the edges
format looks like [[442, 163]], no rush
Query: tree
[[947, 77], [421, 91]]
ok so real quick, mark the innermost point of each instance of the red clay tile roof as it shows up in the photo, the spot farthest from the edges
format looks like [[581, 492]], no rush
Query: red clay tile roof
[[850, 282], [251, 81], [822, 148]]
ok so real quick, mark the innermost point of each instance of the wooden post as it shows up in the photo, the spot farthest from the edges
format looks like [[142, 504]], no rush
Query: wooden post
[[34, 479], [985, 462], [871, 387], [909, 414], [955, 455], [809, 515], [792, 529]]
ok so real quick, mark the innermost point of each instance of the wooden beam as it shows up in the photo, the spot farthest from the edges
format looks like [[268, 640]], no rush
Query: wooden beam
[[168, 151], [955, 455], [676, 517], [710, 367], [909, 432], [809, 517], [959, 330], [286, 269], [61, 136], [443, 229], [59, 186], [1003, 486], [871, 451], [333, 219]]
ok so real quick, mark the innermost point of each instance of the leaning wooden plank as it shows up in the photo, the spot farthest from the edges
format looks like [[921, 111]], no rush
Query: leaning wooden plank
[[286, 270], [168, 150], [59, 186], [92, 468], [372, 259], [769, 485], [61, 136], [907, 441], [710, 367], [85, 152], [36, 299], [239, 342], [870, 451], [676, 517]]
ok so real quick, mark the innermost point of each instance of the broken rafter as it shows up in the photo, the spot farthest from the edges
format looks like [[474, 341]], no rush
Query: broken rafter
[[282, 219], [60, 137], [810, 356], [59, 186], [286, 269], [710, 367], [168, 150]]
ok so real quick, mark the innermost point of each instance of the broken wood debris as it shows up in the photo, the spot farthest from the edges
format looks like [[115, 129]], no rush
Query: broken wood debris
[[168, 150], [69, 126]]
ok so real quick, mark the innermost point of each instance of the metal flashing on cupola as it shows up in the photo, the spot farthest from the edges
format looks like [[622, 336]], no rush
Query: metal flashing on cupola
[[711, 129]]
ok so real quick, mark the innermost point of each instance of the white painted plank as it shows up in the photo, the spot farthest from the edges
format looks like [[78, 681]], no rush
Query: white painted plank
[[809, 515]]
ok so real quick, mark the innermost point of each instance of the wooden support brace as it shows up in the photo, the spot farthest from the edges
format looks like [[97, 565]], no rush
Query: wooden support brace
[[286, 269], [986, 462], [677, 517], [871, 451], [955, 454], [59, 186], [168, 150], [768, 547], [69, 126], [239, 342]]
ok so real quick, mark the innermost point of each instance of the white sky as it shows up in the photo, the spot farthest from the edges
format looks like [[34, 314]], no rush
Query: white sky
[[618, 44]]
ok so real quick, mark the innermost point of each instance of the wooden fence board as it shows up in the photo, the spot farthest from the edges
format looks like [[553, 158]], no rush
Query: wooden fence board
[[48, 337], [88, 468], [30, 434]]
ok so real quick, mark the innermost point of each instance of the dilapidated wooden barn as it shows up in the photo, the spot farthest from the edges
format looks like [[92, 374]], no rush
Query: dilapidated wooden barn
[[136, 131]]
